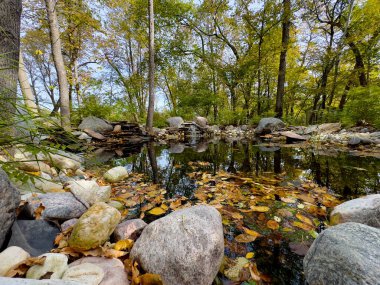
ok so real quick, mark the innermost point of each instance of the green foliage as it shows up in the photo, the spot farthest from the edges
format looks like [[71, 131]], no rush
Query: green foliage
[[363, 105], [159, 119]]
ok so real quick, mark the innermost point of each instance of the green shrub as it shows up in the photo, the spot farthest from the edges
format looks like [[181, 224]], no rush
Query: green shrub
[[363, 105]]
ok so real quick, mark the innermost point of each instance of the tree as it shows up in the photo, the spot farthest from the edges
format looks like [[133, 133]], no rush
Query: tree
[[282, 66], [149, 120], [56, 47], [10, 15], [26, 89]]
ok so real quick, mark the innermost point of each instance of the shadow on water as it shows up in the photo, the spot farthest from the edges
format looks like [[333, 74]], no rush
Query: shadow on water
[[169, 166]]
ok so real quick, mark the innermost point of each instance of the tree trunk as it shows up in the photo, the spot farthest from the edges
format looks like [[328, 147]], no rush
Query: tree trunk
[[10, 15], [26, 90], [149, 121], [59, 64], [282, 67]]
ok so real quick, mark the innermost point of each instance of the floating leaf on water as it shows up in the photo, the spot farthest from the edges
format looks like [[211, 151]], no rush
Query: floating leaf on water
[[237, 216], [273, 225], [249, 255], [233, 272], [245, 238], [314, 234], [260, 208], [304, 219], [303, 226], [175, 204], [157, 211], [251, 232], [124, 244], [300, 206], [306, 198], [255, 274], [277, 219], [288, 200], [164, 207]]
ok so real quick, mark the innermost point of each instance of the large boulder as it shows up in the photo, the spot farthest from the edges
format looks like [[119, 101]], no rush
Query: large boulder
[[9, 201], [201, 121], [60, 206], [129, 229], [94, 227], [346, 254], [364, 210], [116, 174], [95, 124], [269, 125], [114, 272], [175, 122], [34, 236], [186, 247]]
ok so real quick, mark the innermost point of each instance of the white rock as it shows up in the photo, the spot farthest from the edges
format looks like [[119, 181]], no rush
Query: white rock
[[24, 281], [89, 192], [54, 262], [116, 174], [11, 257], [85, 273]]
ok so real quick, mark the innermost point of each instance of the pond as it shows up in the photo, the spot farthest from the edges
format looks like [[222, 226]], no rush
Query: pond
[[172, 167]]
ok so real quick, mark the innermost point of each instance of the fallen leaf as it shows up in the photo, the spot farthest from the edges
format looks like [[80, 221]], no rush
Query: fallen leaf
[[237, 216], [273, 225], [21, 268], [174, 205], [38, 211], [150, 279], [303, 226], [245, 238], [249, 255], [251, 232], [124, 244], [157, 211], [259, 208], [304, 219]]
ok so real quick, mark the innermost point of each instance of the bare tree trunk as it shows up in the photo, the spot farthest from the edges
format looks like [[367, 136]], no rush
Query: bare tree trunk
[[26, 90], [149, 121], [282, 67], [10, 15], [56, 46]]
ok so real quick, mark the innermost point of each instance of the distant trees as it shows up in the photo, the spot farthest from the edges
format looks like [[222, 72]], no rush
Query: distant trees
[[149, 120]]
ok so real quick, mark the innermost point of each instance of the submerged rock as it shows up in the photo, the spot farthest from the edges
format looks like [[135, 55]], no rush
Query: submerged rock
[[95, 124], [34, 236], [175, 122], [364, 210], [61, 206], [186, 247], [55, 265], [346, 254], [85, 273], [114, 272], [116, 174], [269, 125], [11, 257], [129, 229], [9, 201], [94, 227]]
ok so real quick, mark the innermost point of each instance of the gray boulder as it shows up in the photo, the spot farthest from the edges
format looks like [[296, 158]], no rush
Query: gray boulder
[[34, 236], [201, 121], [177, 148], [9, 201], [95, 124], [186, 247], [364, 210], [175, 122], [346, 254], [129, 229], [60, 206], [269, 125]]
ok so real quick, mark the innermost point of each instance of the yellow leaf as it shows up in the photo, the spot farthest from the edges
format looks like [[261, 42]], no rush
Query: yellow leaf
[[124, 244], [251, 232], [303, 226], [150, 279], [157, 211], [237, 216], [260, 208], [249, 255], [164, 207], [245, 238], [304, 219], [273, 225], [174, 205]]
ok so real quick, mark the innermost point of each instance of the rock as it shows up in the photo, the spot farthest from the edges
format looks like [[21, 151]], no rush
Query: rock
[[117, 129], [346, 254], [95, 124], [85, 273], [201, 147], [177, 148], [85, 137], [113, 269], [116, 174], [291, 137], [364, 210], [45, 184], [62, 160], [269, 125], [23, 281], [185, 247], [269, 149], [354, 141], [129, 229], [9, 201], [68, 224], [201, 121], [60, 206], [329, 128], [175, 122], [94, 227], [11, 257], [89, 192], [55, 265], [95, 135], [24, 233], [116, 204]]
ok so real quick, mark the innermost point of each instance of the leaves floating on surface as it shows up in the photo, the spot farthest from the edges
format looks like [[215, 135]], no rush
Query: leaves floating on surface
[[245, 238], [157, 211], [273, 225]]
